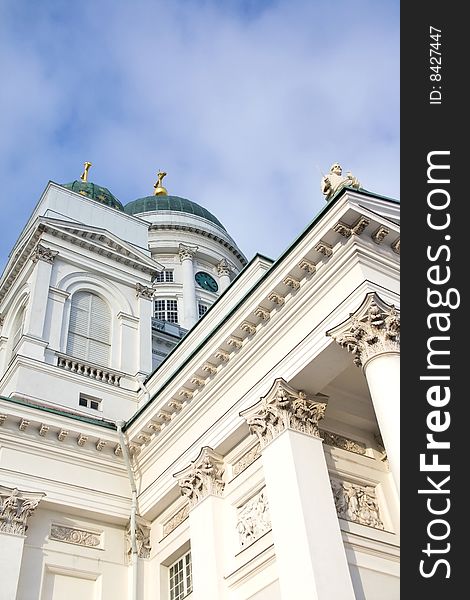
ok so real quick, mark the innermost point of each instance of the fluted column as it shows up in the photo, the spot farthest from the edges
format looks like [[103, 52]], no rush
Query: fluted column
[[202, 483], [309, 549], [16, 507], [223, 270], [372, 335], [186, 254]]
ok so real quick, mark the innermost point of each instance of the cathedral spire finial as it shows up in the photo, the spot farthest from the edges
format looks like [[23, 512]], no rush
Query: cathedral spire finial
[[84, 175], [160, 190]]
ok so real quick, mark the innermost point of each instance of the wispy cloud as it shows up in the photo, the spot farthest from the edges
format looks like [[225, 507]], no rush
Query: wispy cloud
[[237, 100]]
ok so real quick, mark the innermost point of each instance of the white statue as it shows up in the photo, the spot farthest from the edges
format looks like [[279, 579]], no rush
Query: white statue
[[335, 180]]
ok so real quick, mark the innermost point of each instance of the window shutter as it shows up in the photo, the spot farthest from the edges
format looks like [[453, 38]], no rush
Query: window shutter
[[89, 328]]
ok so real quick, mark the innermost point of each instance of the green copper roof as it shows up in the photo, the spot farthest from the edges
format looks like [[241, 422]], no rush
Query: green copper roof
[[155, 203], [96, 192]]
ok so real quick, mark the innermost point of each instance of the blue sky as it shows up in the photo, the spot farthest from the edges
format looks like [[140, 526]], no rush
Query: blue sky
[[239, 101]]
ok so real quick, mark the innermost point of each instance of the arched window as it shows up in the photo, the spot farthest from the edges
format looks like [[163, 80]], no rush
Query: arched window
[[89, 328], [17, 328]]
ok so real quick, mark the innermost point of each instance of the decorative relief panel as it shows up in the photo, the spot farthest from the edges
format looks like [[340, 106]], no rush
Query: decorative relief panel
[[253, 519], [246, 460], [339, 441], [73, 535], [176, 520], [356, 503]]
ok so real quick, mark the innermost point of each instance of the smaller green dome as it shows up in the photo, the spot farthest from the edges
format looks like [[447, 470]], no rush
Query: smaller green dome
[[173, 203], [95, 192]]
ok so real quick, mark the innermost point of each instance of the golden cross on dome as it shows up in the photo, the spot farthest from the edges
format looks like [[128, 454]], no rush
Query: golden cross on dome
[[84, 175], [160, 190]]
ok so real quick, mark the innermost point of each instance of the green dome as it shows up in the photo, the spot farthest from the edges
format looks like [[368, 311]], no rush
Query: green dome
[[155, 203], [96, 192]]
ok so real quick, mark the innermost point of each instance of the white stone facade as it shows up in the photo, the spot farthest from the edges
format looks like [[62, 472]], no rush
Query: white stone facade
[[254, 448]]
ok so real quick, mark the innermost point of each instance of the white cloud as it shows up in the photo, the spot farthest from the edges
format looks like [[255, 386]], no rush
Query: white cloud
[[238, 106]]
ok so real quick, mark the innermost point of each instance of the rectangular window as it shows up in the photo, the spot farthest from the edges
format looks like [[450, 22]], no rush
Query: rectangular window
[[165, 276], [166, 310], [89, 402], [180, 575], [202, 309]]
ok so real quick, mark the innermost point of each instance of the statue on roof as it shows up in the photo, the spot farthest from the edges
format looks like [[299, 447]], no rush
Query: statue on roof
[[335, 180]]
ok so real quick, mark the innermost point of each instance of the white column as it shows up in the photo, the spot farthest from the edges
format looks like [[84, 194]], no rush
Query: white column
[[145, 311], [202, 483], [36, 311], [372, 335], [186, 254], [15, 508], [310, 554], [223, 271]]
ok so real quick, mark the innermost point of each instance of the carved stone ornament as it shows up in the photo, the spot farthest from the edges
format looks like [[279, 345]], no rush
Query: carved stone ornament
[[282, 408], [203, 477], [223, 268], [262, 313], [72, 535], [253, 519], [292, 282], [339, 441], [248, 327], [40, 252], [246, 460], [396, 246], [379, 234], [357, 503], [209, 368], [356, 228], [324, 248], [143, 538], [143, 291], [16, 506], [276, 298], [186, 252], [372, 330], [235, 342], [222, 355], [176, 520], [308, 266], [2, 319]]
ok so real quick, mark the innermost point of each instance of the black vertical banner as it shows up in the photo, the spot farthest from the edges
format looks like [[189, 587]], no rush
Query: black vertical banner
[[436, 252]]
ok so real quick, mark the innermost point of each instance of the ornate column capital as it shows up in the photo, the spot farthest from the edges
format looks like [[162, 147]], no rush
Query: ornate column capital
[[223, 268], [142, 538], [16, 506], [372, 330], [187, 252], [143, 291], [282, 408], [41, 252], [203, 477]]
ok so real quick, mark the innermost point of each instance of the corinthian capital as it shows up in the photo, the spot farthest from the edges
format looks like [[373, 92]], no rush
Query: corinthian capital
[[16, 507], [41, 252], [186, 252], [203, 477], [143, 291], [223, 268], [282, 408], [372, 330]]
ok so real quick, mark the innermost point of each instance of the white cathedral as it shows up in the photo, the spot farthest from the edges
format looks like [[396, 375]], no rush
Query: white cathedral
[[179, 422]]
